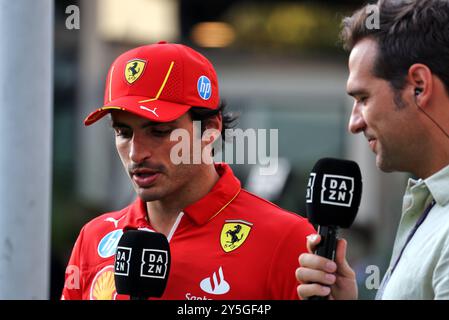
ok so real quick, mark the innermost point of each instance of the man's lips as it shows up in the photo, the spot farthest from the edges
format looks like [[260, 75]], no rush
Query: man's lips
[[144, 177], [372, 143]]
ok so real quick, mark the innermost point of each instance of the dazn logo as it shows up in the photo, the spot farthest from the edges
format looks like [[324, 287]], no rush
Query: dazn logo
[[337, 190]]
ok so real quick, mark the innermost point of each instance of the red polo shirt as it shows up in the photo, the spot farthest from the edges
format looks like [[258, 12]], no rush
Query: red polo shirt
[[230, 244]]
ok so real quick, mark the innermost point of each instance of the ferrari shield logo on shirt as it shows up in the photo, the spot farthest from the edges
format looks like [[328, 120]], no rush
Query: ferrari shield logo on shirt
[[134, 69], [234, 234]]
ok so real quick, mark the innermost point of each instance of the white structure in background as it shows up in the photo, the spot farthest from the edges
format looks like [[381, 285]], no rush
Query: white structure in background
[[271, 186], [26, 57]]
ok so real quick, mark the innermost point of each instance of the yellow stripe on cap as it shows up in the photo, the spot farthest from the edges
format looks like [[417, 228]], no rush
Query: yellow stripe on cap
[[163, 84], [110, 107]]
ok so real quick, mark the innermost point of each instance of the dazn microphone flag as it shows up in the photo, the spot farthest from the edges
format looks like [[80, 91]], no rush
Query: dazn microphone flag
[[142, 264], [334, 192]]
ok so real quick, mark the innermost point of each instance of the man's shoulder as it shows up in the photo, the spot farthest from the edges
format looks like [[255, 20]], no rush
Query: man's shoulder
[[107, 221], [263, 209], [274, 228]]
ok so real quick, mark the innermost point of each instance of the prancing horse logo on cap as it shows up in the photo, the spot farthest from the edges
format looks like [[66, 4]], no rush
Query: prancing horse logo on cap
[[134, 69]]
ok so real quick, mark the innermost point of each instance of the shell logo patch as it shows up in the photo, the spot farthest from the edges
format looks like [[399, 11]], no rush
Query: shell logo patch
[[103, 286], [234, 233], [134, 69]]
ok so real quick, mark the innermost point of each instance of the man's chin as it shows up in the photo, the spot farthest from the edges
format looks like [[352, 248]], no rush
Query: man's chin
[[383, 165], [148, 195]]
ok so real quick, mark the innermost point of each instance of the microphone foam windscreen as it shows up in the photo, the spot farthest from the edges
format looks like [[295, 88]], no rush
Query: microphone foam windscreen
[[142, 264], [334, 191]]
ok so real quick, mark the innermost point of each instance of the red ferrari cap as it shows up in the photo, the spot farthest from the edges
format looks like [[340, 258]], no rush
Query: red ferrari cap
[[160, 82]]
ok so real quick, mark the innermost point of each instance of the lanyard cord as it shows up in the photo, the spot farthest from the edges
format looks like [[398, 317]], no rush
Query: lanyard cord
[[412, 233]]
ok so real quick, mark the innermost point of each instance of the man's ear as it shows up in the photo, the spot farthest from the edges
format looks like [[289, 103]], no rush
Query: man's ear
[[420, 79], [213, 129], [215, 122]]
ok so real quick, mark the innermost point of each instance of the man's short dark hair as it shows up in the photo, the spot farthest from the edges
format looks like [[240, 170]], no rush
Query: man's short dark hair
[[410, 32], [203, 115]]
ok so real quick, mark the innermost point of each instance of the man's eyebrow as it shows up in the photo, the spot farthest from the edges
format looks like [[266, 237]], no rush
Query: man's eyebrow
[[117, 124], [357, 92], [154, 124], [146, 124]]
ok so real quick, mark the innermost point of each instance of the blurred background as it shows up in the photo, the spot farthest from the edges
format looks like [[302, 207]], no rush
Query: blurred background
[[279, 65]]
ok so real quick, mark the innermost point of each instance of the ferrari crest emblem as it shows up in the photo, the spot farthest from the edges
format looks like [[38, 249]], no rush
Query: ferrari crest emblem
[[234, 234], [134, 69]]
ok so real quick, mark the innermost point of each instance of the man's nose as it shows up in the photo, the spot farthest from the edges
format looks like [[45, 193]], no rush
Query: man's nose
[[139, 151], [356, 121]]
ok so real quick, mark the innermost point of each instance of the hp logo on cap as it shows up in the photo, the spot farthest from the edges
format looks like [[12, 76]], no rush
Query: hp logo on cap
[[204, 88]]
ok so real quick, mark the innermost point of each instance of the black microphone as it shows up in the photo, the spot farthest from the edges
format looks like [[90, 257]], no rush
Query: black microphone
[[334, 191], [142, 264]]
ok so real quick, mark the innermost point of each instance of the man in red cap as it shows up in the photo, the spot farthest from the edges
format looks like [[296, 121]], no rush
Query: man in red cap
[[225, 242]]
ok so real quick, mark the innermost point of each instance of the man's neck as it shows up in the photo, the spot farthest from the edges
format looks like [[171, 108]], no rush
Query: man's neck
[[163, 213], [435, 156], [433, 166], [432, 159]]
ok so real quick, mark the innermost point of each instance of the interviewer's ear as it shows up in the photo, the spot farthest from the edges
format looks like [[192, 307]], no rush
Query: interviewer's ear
[[420, 79]]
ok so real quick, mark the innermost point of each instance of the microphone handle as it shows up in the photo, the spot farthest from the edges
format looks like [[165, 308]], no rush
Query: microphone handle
[[326, 248]]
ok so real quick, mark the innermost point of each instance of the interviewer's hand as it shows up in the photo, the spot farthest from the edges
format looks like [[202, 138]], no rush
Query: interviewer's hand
[[321, 277]]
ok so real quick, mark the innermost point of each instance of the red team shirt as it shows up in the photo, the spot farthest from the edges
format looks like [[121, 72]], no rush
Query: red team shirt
[[230, 244]]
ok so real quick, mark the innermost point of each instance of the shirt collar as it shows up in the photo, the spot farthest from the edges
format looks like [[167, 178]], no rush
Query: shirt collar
[[222, 194], [136, 216], [219, 197], [438, 186]]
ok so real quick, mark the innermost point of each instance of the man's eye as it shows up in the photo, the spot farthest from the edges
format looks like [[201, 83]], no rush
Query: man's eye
[[363, 99], [123, 132], [161, 132]]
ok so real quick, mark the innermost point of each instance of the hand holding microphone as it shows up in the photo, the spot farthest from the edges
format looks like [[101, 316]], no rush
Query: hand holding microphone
[[333, 198], [323, 277]]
